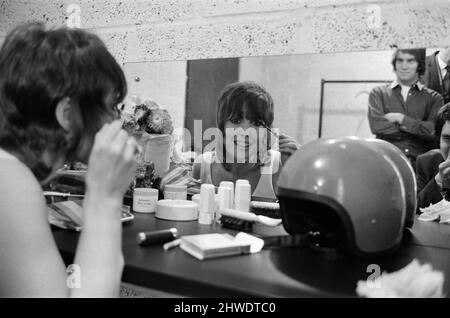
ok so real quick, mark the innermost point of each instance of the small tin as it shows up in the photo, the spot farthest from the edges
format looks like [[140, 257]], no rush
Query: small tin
[[144, 200]]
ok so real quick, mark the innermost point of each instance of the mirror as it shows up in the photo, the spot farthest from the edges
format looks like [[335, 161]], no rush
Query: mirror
[[315, 95]]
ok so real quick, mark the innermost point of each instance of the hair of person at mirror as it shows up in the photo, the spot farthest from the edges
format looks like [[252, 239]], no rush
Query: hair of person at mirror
[[442, 116], [38, 69], [419, 56], [239, 98]]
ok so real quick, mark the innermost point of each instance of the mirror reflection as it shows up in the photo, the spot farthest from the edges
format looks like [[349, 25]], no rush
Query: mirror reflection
[[365, 94], [300, 85]]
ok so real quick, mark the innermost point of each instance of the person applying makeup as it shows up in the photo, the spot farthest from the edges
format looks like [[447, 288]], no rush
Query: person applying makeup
[[59, 92], [245, 113]]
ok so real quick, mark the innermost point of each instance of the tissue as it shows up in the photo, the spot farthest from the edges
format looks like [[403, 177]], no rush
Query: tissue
[[414, 280], [439, 211]]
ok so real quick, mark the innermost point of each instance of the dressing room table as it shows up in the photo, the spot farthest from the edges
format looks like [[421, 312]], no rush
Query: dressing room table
[[274, 272]]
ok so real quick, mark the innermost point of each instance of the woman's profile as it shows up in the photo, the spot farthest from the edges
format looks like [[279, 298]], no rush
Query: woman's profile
[[59, 91]]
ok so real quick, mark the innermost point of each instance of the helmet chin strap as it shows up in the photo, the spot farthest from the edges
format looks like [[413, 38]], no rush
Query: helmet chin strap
[[285, 241], [326, 244]]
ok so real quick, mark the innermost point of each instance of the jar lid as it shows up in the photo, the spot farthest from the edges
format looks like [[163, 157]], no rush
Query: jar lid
[[146, 191], [175, 188]]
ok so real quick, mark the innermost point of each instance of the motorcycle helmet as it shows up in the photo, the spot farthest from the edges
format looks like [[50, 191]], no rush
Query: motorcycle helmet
[[407, 172], [350, 192]]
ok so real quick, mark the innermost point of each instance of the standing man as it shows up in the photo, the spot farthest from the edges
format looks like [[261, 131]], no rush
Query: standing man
[[403, 112], [437, 75]]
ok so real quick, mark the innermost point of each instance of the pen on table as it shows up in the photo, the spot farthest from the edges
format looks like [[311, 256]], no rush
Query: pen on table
[[171, 244]]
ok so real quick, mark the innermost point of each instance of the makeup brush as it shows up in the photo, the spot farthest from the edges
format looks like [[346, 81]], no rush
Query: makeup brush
[[271, 131]]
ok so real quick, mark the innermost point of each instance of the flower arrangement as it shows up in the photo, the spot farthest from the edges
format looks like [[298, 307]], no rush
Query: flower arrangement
[[148, 117], [152, 126]]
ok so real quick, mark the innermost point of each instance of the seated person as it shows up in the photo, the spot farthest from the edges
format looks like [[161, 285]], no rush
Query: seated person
[[433, 167], [59, 92], [245, 114]]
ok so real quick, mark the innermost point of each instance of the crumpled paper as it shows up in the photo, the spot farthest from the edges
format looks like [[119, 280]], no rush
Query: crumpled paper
[[439, 211], [412, 281]]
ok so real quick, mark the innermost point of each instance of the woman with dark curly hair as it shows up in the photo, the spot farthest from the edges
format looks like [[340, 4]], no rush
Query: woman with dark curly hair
[[59, 91], [243, 145]]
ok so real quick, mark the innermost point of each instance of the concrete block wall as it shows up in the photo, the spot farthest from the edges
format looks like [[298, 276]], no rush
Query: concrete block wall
[[139, 31], [158, 30]]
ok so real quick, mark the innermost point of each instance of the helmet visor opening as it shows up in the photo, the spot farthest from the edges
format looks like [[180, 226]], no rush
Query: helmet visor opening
[[301, 216]]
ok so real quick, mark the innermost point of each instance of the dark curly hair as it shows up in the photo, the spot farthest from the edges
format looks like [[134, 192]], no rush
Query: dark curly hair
[[39, 68]]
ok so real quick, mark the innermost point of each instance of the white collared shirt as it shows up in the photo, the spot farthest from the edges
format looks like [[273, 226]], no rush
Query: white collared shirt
[[418, 84], [405, 89]]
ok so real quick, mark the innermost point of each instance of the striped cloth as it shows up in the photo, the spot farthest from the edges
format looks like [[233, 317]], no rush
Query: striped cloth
[[181, 174]]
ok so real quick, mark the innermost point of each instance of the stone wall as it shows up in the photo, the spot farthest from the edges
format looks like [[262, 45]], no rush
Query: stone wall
[[143, 31], [157, 30]]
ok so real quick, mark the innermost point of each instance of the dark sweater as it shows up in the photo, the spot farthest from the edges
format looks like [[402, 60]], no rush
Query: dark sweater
[[427, 166]]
